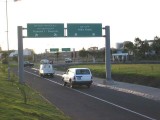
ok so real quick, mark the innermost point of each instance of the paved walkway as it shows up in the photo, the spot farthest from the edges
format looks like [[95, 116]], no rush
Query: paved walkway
[[140, 90]]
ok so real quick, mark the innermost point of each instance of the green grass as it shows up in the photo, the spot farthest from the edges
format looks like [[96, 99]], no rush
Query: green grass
[[20, 102], [152, 70], [144, 74]]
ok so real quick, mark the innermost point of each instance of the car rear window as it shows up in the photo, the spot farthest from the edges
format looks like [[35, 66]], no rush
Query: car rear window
[[82, 71], [46, 66]]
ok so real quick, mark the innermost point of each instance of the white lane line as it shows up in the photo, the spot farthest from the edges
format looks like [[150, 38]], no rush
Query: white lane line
[[115, 105], [44, 78], [126, 109]]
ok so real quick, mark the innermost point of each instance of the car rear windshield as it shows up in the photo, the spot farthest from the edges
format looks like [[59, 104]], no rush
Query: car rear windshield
[[82, 71], [46, 66]]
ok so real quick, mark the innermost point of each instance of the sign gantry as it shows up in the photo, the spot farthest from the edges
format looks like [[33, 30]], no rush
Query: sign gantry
[[57, 30]]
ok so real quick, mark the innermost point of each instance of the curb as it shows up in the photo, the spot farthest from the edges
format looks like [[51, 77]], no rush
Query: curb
[[142, 94]]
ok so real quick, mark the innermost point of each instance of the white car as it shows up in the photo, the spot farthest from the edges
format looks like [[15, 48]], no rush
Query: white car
[[44, 61], [77, 76], [46, 70]]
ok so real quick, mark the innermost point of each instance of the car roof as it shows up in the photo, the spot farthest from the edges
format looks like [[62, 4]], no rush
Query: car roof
[[77, 68]]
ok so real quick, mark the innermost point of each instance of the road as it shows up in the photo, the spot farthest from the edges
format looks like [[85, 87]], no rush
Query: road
[[95, 103]]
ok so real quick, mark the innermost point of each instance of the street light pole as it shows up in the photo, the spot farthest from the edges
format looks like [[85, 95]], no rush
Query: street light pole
[[7, 38]]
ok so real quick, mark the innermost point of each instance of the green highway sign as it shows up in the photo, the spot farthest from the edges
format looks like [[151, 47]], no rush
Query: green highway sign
[[84, 30], [45, 30], [54, 49], [66, 49]]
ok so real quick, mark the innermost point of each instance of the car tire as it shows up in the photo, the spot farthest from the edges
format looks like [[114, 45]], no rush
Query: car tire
[[40, 75], [71, 84], [88, 86], [64, 84], [52, 76]]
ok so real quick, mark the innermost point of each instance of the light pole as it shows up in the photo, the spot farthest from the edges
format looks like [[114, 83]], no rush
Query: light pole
[[7, 38]]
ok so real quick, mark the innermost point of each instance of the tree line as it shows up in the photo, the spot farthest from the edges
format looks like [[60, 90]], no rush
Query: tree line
[[139, 50], [147, 49]]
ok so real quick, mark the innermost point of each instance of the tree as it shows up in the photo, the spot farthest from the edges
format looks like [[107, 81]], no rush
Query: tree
[[83, 53], [57, 55], [5, 57], [101, 54], [15, 58], [137, 46], [141, 48], [138, 43], [129, 46], [94, 54], [156, 45]]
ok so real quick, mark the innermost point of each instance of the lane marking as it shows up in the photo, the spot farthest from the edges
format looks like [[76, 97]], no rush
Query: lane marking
[[113, 104]]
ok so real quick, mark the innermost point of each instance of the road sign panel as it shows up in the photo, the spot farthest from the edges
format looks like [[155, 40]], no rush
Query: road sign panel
[[45, 30], [84, 30], [54, 49], [66, 49]]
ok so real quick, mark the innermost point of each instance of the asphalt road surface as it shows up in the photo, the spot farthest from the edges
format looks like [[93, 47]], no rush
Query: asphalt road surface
[[94, 103]]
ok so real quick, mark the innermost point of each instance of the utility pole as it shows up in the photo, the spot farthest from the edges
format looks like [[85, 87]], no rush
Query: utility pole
[[7, 39]]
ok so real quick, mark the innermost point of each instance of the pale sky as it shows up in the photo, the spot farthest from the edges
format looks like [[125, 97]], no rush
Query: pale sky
[[127, 19]]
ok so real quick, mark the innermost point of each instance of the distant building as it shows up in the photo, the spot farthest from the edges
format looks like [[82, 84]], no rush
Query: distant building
[[119, 45], [119, 55], [12, 54], [93, 48], [25, 52]]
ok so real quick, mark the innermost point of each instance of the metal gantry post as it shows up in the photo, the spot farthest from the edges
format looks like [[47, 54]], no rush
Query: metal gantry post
[[107, 55], [20, 55]]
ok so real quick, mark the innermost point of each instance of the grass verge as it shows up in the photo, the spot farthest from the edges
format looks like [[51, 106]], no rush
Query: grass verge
[[20, 102]]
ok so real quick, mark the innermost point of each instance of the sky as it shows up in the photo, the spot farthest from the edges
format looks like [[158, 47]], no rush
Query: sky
[[127, 19]]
